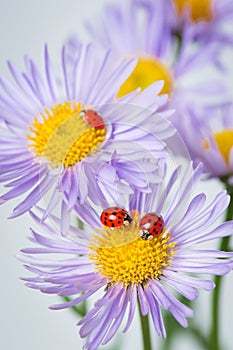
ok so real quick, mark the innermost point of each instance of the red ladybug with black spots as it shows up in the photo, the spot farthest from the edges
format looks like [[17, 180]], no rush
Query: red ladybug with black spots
[[151, 225], [115, 217], [92, 118]]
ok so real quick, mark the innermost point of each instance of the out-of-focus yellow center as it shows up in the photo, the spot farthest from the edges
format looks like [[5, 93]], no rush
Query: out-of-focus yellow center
[[199, 9], [122, 256], [224, 141], [147, 71], [63, 137]]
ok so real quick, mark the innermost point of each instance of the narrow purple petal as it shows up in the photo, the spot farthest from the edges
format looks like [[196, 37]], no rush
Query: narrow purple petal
[[213, 269], [222, 230], [150, 93], [49, 75], [19, 172], [121, 73], [107, 310], [28, 175], [53, 202], [5, 168], [65, 218], [185, 290], [68, 246], [189, 280], [35, 195], [143, 301], [20, 189], [183, 192], [74, 189], [13, 97], [118, 320], [75, 301], [155, 313], [168, 301], [65, 77], [24, 87]]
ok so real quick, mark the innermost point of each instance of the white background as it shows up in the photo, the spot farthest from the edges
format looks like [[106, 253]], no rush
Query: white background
[[26, 322]]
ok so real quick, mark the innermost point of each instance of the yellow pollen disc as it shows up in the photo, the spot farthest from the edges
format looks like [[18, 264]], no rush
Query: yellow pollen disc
[[199, 9], [224, 141], [147, 71], [122, 256], [63, 137]]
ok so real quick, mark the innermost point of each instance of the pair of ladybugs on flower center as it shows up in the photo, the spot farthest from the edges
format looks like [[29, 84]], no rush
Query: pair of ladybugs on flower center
[[151, 225]]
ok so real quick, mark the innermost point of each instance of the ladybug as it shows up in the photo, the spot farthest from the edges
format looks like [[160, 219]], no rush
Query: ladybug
[[151, 225], [115, 217], [92, 118]]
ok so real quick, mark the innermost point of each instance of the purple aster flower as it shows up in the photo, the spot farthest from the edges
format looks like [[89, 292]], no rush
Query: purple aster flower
[[190, 70], [61, 133], [210, 141], [125, 267], [210, 19]]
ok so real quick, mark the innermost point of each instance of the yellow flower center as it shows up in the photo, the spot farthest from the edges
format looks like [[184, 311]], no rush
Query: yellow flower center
[[122, 256], [224, 141], [199, 9], [63, 137], [147, 71]]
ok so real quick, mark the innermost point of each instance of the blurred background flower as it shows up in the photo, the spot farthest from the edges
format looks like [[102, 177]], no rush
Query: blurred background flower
[[210, 19], [213, 142], [192, 68]]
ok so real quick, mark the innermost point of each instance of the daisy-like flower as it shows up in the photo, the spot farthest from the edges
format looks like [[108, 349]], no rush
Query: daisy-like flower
[[61, 133], [210, 19], [210, 141], [126, 267], [142, 28]]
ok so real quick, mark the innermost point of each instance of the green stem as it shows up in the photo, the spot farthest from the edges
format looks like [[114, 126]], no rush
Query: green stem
[[145, 330], [179, 38], [80, 224], [214, 343]]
